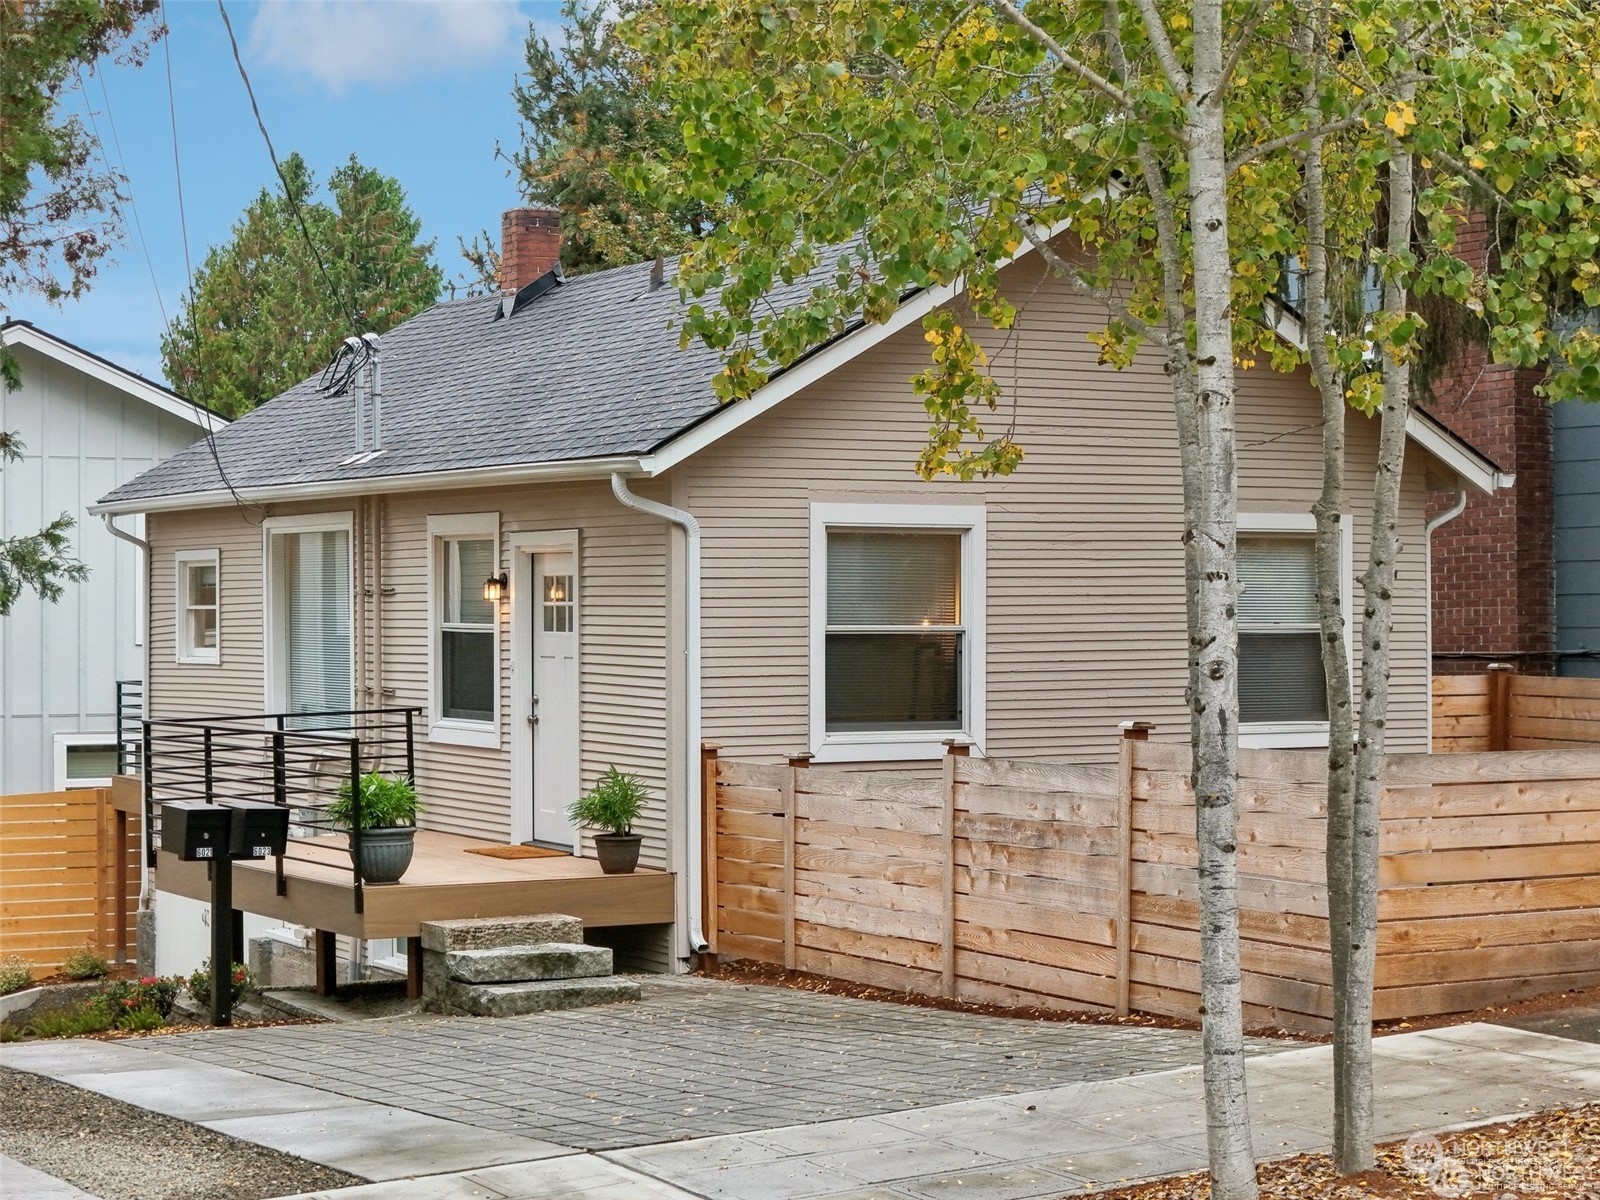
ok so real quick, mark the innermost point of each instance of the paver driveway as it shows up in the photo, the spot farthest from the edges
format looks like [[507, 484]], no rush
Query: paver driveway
[[694, 1058]]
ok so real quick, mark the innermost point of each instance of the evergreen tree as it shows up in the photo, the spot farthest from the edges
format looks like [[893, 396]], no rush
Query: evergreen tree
[[267, 310]]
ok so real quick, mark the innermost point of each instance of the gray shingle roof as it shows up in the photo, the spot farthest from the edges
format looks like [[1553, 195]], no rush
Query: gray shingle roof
[[590, 369]]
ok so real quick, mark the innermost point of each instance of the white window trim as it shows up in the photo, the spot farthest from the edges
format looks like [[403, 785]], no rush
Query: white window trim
[[450, 730], [210, 656], [62, 741], [971, 522], [272, 682], [1302, 735]]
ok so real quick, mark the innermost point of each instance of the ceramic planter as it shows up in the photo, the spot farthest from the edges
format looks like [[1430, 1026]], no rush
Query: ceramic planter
[[618, 852], [385, 853]]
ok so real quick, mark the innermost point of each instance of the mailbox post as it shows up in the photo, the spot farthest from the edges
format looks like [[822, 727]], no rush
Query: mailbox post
[[216, 834]]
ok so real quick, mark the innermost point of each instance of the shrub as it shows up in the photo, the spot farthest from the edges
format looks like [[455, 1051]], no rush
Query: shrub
[[85, 964], [387, 801], [14, 975], [155, 992], [141, 1020], [93, 1017], [200, 983], [613, 805]]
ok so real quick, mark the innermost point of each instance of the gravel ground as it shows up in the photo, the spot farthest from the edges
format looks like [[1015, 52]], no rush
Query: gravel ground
[[116, 1151]]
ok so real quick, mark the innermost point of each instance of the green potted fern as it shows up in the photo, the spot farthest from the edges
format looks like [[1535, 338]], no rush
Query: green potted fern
[[613, 805], [383, 844]]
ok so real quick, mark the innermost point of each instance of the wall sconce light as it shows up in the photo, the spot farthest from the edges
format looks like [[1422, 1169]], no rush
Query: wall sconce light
[[494, 588], [555, 589]]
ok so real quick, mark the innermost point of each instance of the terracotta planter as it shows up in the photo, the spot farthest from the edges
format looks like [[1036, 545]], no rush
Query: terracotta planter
[[385, 853], [618, 852]]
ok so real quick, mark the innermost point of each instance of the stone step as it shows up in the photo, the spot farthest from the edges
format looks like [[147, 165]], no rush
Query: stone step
[[521, 964], [491, 933], [544, 995]]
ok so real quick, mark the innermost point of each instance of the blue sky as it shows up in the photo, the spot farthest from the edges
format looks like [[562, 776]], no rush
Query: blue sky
[[419, 89]]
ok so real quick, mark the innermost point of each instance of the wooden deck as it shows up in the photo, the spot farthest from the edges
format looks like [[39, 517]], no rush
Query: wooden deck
[[444, 882]]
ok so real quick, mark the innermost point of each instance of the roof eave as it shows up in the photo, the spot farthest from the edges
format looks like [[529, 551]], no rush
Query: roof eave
[[21, 333], [425, 481]]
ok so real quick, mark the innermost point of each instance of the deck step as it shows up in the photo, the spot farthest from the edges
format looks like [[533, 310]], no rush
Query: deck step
[[521, 964], [492, 933], [544, 995]]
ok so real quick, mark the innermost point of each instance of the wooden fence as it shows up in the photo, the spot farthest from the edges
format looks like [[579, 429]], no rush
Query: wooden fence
[[1033, 883], [69, 876], [1502, 710]]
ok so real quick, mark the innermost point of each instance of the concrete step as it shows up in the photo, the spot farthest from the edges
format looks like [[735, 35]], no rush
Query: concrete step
[[544, 995], [492, 933], [521, 964]]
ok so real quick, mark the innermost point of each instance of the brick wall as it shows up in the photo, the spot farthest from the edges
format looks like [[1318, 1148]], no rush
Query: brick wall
[[1494, 566]]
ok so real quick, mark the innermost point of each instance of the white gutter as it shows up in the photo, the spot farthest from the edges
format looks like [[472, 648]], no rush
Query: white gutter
[[1444, 518], [144, 826], [694, 832], [423, 481]]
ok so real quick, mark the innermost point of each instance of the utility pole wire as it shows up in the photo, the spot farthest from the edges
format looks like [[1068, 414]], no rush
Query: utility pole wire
[[339, 301]]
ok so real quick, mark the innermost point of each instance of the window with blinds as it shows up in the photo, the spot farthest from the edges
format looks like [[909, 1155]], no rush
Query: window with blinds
[[313, 595], [1280, 646], [894, 633], [466, 631]]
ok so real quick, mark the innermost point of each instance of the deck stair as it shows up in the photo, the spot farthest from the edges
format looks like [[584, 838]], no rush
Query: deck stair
[[509, 966]]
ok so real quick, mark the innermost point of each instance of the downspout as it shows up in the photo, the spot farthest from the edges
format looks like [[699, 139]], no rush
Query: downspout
[[1444, 518], [144, 827], [694, 832]]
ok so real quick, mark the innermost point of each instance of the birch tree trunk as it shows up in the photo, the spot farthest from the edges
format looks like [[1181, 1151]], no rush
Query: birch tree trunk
[[1353, 1145], [1328, 510], [1214, 643]]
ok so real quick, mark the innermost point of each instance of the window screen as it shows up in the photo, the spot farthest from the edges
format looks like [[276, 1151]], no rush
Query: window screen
[[90, 764], [894, 639], [466, 636], [1280, 646]]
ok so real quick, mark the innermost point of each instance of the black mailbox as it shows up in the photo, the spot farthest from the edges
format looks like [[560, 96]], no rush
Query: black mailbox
[[259, 830], [195, 831]]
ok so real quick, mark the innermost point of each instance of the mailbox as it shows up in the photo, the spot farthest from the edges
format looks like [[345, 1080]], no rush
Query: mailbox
[[258, 830], [195, 831]]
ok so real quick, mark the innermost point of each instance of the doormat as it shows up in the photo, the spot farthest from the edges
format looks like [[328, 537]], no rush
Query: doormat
[[517, 852]]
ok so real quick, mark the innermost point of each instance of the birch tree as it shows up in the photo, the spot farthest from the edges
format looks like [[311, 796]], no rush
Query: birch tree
[[1488, 109], [877, 148]]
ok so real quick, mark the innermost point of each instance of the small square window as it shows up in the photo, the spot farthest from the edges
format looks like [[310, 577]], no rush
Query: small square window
[[199, 608]]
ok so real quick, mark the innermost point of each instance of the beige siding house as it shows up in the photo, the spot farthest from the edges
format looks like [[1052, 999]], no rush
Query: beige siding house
[[770, 576]]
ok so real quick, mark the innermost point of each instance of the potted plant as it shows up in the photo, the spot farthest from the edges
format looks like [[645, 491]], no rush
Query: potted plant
[[614, 805], [388, 816]]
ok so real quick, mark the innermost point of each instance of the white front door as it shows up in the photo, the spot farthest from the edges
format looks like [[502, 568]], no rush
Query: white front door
[[554, 725]]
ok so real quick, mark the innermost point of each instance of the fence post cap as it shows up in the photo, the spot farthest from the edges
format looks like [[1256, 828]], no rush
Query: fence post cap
[[710, 747], [1138, 731], [958, 746], [803, 759]]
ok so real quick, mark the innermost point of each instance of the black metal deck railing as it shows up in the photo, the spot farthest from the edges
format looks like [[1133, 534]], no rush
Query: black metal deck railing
[[299, 761], [130, 736]]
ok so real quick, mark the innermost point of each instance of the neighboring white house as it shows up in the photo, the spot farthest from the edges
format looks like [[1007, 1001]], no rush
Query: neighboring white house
[[86, 426]]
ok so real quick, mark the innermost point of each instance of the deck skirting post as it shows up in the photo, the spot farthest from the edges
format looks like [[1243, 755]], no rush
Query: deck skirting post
[[327, 947]]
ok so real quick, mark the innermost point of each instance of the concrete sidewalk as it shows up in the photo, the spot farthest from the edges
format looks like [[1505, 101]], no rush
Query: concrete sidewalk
[[1044, 1143]]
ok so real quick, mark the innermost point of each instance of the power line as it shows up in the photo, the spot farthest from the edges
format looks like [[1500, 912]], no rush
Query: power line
[[350, 310], [244, 506], [177, 168], [122, 163]]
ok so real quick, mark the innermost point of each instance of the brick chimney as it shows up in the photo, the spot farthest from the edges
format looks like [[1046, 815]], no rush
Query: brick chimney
[[530, 244]]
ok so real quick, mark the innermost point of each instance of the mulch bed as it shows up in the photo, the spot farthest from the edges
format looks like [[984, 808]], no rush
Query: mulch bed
[[1551, 1156], [747, 971]]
